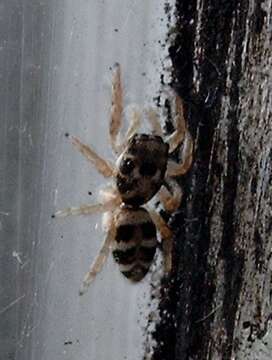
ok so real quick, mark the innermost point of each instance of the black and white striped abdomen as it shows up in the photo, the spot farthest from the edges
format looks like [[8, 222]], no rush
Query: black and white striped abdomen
[[135, 242]]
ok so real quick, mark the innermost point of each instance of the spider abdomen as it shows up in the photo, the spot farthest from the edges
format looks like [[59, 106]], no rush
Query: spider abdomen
[[135, 242]]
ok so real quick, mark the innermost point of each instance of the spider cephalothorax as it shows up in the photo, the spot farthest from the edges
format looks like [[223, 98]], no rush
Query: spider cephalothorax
[[142, 170]]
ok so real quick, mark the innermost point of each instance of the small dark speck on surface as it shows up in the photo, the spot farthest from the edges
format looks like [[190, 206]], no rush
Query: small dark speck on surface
[[157, 100], [11, 356], [246, 324], [162, 79], [68, 342]]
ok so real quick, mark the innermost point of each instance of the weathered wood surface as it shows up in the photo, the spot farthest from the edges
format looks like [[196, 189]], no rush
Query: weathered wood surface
[[218, 305]]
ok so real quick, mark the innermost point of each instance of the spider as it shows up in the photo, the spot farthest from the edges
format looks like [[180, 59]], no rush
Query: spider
[[142, 170]]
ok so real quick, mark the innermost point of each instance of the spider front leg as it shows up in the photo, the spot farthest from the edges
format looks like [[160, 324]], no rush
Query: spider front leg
[[154, 121], [102, 166], [117, 114], [135, 122], [116, 110]]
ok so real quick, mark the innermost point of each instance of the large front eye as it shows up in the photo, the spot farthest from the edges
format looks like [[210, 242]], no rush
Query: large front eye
[[148, 168], [126, 166]]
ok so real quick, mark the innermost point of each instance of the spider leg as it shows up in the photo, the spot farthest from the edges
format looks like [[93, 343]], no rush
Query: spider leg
[[98, 263], [116, 110], [177, 169], [87, 209], [167, 238], [134, 125], [170, 200], [178, 135], [103, 167], [154, 121]]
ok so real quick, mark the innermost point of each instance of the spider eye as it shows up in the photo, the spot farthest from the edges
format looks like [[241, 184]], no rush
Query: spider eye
[[148, 168], [126, 166]]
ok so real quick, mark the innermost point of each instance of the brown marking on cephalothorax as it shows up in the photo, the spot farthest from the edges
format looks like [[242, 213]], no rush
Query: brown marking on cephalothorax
[[135, 242], [141, 168]]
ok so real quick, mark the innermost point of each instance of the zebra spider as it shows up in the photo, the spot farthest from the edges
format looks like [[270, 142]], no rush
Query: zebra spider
[[143, 169]]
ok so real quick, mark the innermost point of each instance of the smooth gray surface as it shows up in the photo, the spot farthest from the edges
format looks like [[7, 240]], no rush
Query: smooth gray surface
[[55, 59]]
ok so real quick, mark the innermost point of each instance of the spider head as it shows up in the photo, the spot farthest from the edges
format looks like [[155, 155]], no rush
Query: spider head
[[141, 168]]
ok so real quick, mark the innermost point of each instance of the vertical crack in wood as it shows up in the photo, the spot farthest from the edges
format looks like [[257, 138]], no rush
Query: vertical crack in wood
[[233, 258]]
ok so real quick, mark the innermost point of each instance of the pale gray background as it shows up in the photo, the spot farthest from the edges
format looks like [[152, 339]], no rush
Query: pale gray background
[[55, 59]]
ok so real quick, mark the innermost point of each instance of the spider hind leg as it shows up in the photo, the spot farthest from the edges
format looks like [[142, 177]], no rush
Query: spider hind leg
[[98, 263]]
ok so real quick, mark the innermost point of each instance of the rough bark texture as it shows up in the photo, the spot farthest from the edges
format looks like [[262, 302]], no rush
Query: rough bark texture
[[218, 304]]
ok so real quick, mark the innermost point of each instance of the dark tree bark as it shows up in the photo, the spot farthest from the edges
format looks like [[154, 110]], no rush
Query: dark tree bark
[[218, 304]]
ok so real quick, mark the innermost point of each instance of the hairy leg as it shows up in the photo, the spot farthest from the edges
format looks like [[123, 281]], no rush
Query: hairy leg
[[180, 168], [116, 109], [170, 200], [98, 263], [154, 121], [102, 166], [166, 237], [134, 125], [180, 126], [108, 204]]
